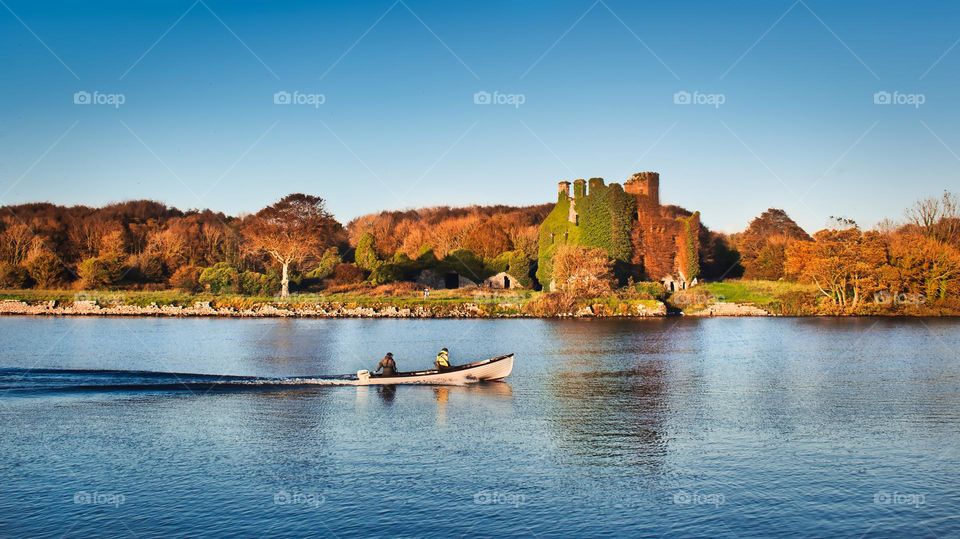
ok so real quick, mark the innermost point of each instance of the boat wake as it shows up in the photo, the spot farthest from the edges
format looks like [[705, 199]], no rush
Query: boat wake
[[34, 381]]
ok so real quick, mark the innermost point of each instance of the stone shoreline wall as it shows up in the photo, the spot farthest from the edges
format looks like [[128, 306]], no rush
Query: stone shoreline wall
[[730, 309], [205, 309]]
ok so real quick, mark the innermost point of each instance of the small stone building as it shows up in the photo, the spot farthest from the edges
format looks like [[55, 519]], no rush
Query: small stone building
[[502, 280], [673, 284]]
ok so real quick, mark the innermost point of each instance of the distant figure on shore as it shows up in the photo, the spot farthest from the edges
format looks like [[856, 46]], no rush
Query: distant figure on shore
[[443, 360], [388, 365], [426, 293]]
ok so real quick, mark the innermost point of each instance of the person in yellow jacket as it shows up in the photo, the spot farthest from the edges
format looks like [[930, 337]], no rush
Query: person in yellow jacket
[[443, 360]]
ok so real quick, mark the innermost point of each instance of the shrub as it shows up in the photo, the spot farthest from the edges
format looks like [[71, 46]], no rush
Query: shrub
[[100, 271], [220, 278], [329, 260], [552, 304], [467, 264], [347, 288], [259, 284], [44, 267], [386, 273], [692, 299], [427, 258], [13, 276], [645, 290], [366, 253], [186, 278], [344, 274]]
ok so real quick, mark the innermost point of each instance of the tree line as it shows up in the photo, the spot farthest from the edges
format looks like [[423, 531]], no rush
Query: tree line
[[296, 244], [916, 260]]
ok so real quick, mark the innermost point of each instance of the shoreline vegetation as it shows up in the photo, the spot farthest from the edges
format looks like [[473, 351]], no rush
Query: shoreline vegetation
[[734, 298], [601, 250]]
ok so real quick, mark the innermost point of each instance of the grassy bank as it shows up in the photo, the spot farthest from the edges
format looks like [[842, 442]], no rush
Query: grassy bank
[[795, 299], [775, 297], [759, 293], [367, 297]]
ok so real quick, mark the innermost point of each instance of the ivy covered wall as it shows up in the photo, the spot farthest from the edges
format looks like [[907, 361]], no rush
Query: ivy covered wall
[[555, 230], [605, 218], [651, 241]]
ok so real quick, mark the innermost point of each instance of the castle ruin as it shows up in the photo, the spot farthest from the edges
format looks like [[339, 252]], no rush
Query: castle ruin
[[646, 239]]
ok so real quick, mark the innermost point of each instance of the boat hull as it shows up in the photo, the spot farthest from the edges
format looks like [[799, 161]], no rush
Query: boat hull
[[487, 370]]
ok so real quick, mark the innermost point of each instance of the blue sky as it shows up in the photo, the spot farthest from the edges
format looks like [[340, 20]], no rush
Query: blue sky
[[398, 127]]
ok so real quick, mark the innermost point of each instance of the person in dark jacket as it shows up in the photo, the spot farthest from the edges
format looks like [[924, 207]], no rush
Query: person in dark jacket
[[388, 365]]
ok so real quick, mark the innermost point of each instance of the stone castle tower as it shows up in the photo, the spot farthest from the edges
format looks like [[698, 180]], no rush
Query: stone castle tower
[[664, 240], [644, 184]]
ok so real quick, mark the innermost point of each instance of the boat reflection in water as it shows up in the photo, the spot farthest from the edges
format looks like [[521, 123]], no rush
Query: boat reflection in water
[[442, 395], [387, 393]]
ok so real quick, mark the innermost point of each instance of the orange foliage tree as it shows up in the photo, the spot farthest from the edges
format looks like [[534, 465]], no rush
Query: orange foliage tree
[[845, 264], [584, 272], [292, 231]]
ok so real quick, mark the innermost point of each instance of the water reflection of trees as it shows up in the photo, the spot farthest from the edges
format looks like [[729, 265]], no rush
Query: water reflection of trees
[[609, 397], [617, 415]]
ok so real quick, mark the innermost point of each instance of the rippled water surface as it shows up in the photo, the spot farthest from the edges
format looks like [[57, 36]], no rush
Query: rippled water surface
[[687, 428]]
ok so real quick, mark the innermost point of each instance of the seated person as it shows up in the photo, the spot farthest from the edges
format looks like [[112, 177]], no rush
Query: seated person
[[443, 360], [388, 365]]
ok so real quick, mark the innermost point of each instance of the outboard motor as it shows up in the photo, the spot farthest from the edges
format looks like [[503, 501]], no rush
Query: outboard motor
[[363, 376]]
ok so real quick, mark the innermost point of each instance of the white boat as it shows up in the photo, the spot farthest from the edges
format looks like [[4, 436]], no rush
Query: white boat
[[496, 368]]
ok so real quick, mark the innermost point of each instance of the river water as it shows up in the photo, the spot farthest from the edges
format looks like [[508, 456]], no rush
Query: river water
[[670, 427]]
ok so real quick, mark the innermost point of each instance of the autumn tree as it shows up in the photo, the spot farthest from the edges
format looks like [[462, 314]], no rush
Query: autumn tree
[[15, 240], [294, 230], [762, 245], [488, 239], [43, 265], [486, 230], [923, 265], [107, 268], [938, 218], [844, 264], [584, 272]]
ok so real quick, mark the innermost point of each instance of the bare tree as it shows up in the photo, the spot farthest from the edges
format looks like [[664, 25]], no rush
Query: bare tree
[[938, 218], [15, 242], [292, 231]]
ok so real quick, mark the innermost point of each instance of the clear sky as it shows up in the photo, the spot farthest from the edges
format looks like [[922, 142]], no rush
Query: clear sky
[[786, 114]]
